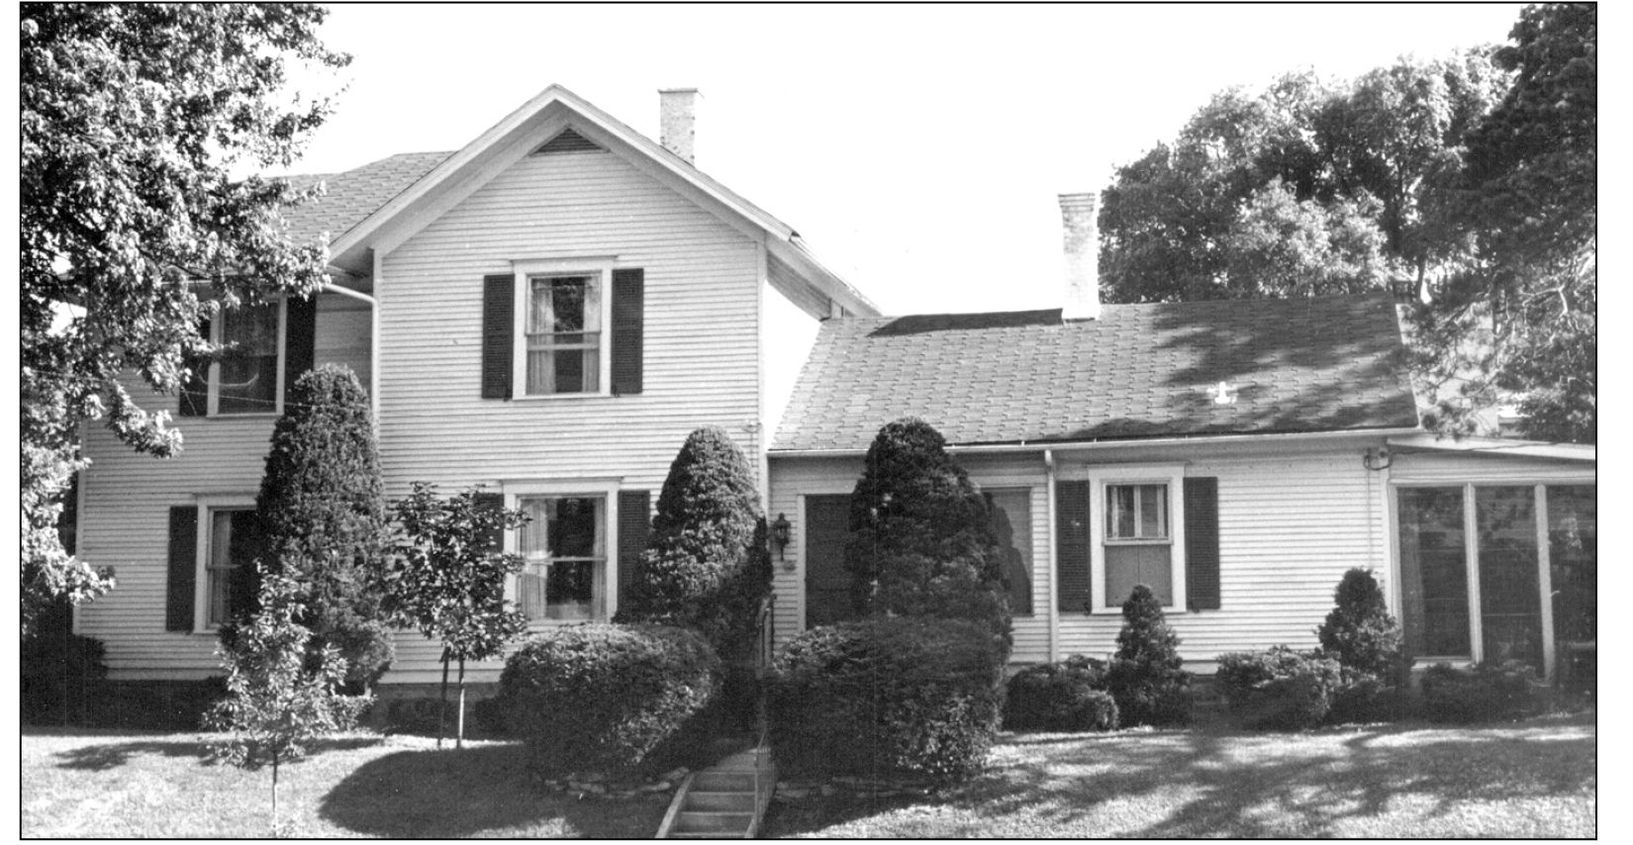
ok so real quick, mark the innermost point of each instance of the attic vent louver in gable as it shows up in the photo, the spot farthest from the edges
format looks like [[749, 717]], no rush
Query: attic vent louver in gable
[[567, 142]]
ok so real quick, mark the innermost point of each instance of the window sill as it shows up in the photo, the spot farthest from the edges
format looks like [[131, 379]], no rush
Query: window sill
[[559, 397], [258, 415]]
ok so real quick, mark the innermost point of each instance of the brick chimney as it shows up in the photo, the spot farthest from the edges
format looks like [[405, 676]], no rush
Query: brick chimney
[[1082, 245], [677, 114]]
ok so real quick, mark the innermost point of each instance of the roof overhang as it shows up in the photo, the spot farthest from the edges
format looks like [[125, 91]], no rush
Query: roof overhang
[[522, 131], [1497, 446], [1068, 447]]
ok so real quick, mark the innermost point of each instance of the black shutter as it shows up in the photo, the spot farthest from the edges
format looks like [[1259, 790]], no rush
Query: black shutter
[[1072, 536], [1202, 543], [498, 341], [183, 572], [300, 337], [493, 502], [195, 389], [634, 524], [628, 329]]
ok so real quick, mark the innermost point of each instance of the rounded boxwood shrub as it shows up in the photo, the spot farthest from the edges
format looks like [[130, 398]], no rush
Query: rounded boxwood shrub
[[1065, 696], [610, 698], [1482, 693], [887, 697], [1279, 688]]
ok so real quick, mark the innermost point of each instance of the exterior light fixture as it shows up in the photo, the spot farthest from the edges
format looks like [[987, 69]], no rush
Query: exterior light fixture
[[780, 532]]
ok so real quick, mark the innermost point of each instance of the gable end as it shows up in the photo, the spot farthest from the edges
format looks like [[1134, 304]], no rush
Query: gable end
[[568, 141]]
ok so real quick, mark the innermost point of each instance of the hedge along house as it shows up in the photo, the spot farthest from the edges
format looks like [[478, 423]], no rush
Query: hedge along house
[[547, 312], [1236, 456]]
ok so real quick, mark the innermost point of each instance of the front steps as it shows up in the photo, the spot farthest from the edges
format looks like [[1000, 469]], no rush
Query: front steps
[[725, 801]]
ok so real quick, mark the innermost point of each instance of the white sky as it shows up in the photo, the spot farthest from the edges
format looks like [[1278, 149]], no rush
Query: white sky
[[919, 151]]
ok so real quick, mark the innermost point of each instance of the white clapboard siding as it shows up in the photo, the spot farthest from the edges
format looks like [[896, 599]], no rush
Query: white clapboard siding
[[702, 281], [1289, 527], [1459, 467], [125, 510]]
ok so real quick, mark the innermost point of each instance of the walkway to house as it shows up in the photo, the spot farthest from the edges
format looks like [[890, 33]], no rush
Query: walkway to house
[[727, 800]]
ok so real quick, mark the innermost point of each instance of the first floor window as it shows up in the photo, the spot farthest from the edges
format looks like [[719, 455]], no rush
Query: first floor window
[[1138, 546], [563, 334], [246, 376], [232, 545], [565, 545], [1011, 514]]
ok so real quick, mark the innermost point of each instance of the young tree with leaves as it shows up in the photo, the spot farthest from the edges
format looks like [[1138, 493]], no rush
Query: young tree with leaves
[[448, 577], [706, 565], [322, 511], [279, 697], [921, 541], [132, 120]]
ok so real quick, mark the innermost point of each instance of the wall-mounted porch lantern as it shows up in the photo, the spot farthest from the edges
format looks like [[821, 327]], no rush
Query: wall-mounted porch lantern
[[780, 532]]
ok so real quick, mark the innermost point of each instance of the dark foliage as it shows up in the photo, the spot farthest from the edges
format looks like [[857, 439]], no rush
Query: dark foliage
[[921, 540], [322, 508], [1359, 632], [887, 697], [1279, 689], [1486, 692], [62, 671], [1145, 675], [1065, 696], [707, 565], [611, 698]]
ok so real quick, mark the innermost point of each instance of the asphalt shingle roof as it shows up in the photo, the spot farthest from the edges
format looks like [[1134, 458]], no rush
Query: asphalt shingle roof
[[1326, 364], [355, 194]]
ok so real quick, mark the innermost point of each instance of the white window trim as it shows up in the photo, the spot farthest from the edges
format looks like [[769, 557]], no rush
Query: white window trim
[[201, 552], [1172, 475], [598, 266], [213, 405], [515, 491]]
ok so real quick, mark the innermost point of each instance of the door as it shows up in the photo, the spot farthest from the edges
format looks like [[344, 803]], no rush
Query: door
[[827, 585]]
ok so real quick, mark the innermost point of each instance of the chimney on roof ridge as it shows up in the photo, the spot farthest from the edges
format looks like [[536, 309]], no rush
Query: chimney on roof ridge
[[1082, 248], [677, 117]]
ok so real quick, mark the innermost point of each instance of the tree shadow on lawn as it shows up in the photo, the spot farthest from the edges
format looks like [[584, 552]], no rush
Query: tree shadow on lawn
[[102, 756], [475, 791], [1266, 784]]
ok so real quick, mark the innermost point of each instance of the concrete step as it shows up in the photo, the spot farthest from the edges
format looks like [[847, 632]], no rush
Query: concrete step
[[735, 802], [719, 824], [718, 781]]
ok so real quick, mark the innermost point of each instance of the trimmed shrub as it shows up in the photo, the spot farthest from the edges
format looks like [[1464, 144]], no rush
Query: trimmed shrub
[[707, 565], [921, 540], [1144, 675], [605, 698], [1483, 693], [62, 671], [1279, 688], [1359, 632], [322, 507], [1065, 696], [887, 697]]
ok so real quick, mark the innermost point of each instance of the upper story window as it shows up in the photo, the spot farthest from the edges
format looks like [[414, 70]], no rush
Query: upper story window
[[246, 378], [563, 334]]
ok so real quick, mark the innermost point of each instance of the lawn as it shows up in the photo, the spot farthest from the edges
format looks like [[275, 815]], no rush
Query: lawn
[[1530, 779], [111, 784]]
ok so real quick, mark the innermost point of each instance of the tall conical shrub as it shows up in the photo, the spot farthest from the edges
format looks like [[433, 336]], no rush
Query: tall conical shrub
[[921, 542], [706, 565], [323, 512], [1145, 675], [1359, 631]]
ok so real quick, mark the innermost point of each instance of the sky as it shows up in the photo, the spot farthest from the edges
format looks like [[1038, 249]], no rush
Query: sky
[[919, 151]]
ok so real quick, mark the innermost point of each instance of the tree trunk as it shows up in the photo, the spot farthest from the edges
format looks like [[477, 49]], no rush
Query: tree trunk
[[275, 795], [442, 706], [459, 730]]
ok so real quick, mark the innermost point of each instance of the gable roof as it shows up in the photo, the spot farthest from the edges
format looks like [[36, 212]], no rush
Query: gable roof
[[1299, 365], [380, 204]]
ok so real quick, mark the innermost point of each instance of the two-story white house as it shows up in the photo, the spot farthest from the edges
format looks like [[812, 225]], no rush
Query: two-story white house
[[547, 312]]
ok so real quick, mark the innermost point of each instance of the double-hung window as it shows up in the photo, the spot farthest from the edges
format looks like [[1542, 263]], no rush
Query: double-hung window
[[248, 378], [562, 344], [1137, 511], [230, 540], [565, 545]]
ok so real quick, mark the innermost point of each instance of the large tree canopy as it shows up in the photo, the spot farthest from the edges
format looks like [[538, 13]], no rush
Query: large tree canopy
[[1468, 181], [132, 119]]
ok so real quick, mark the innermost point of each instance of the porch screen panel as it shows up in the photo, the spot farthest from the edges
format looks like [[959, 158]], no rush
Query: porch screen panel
[[1510, 607], [1573, 560], [1434, 571]]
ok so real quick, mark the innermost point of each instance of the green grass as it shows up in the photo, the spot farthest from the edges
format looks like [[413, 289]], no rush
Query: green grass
[[1530, 779], [113, 784]]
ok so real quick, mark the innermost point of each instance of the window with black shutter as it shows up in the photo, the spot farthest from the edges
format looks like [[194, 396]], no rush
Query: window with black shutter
[[555, 328]]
